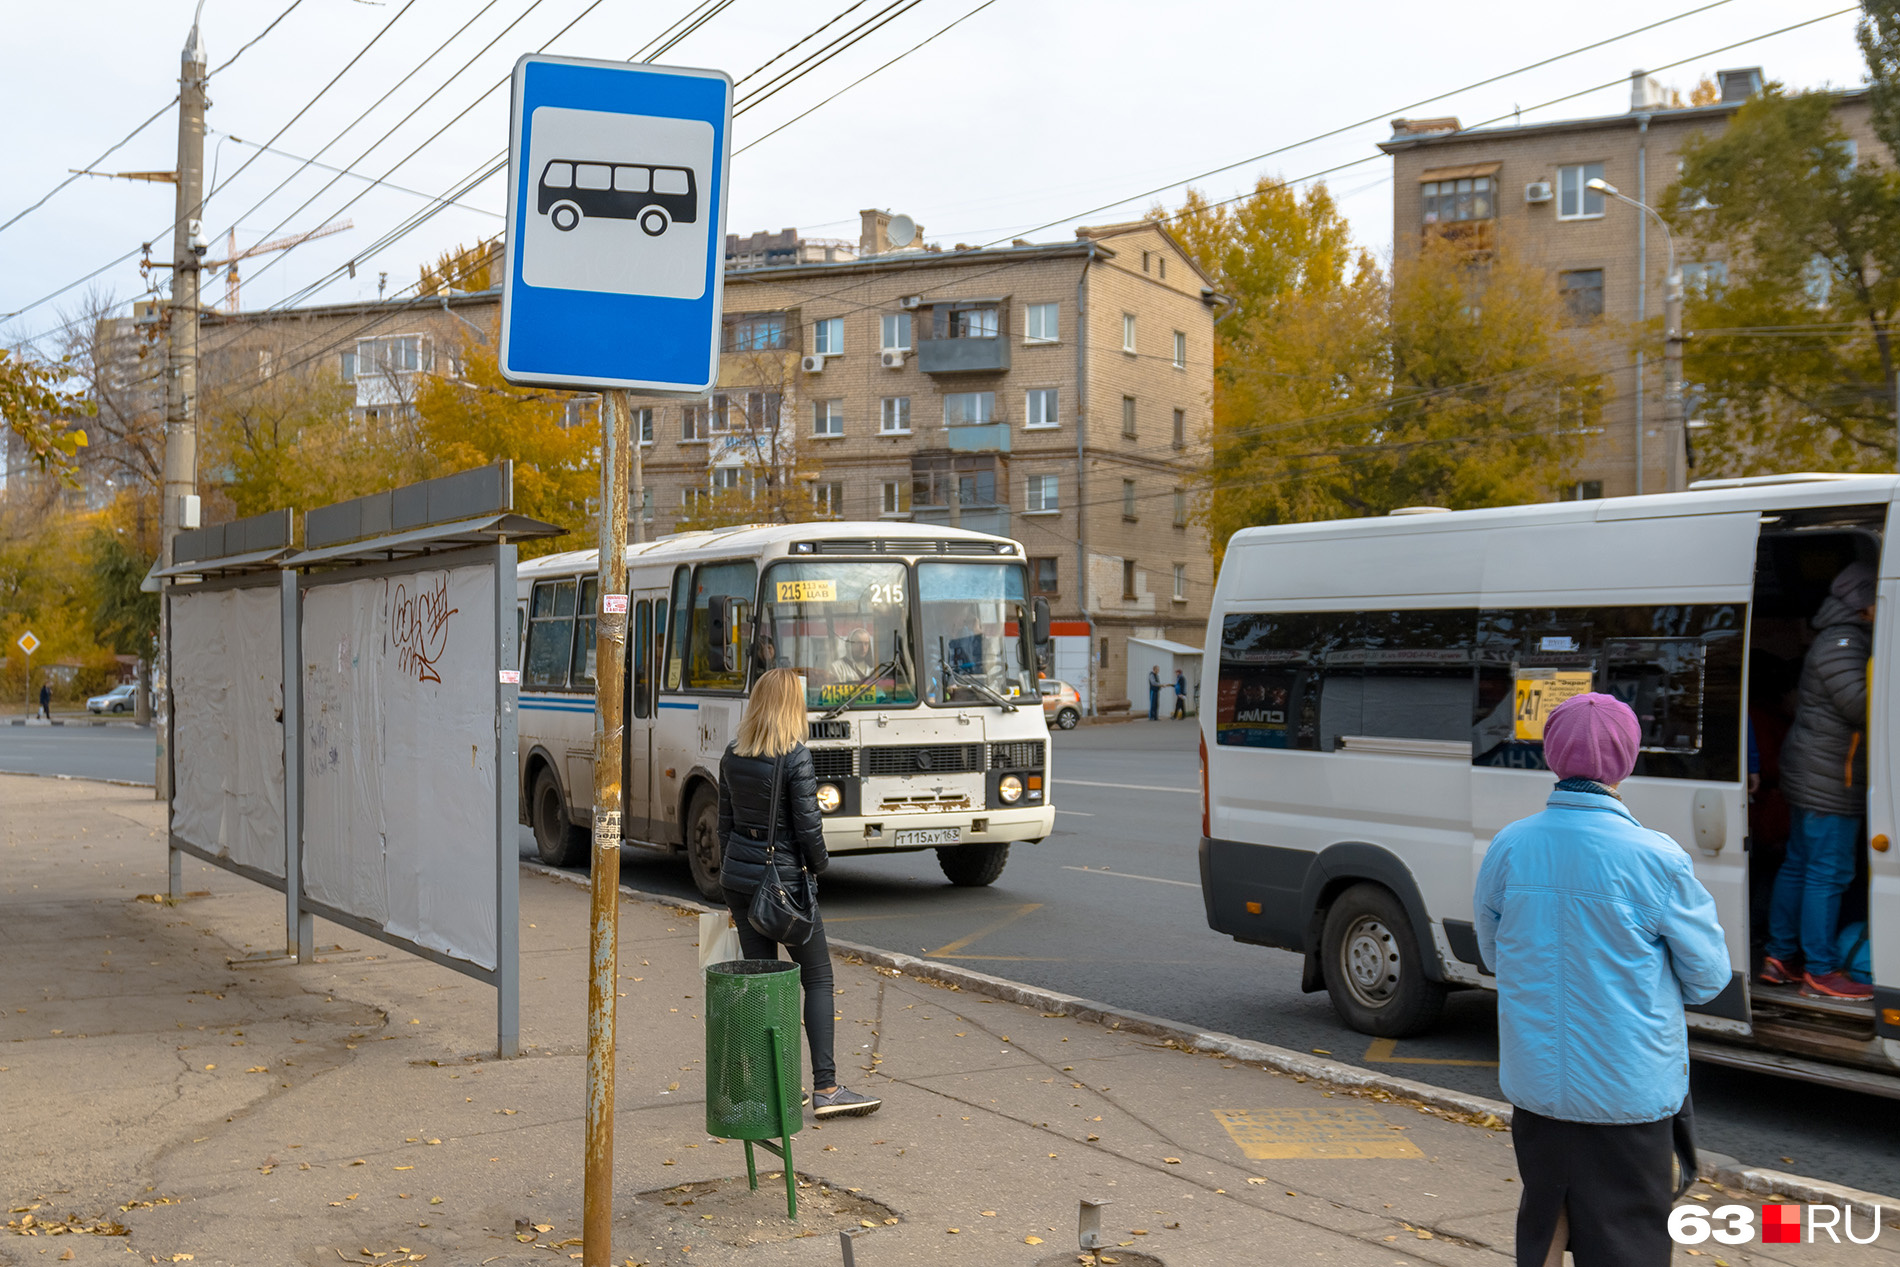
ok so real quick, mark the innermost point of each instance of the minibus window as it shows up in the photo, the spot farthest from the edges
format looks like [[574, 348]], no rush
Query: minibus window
[[582, 673], [737, 583], [550, 634], [676, 644]]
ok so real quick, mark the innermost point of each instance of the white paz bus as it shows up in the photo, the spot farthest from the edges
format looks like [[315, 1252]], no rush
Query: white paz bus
[[1377, 717], [917, 645]]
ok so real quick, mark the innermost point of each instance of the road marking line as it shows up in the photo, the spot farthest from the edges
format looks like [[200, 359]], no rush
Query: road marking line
[[1381, 1049], [1129, 875], [1078, 813], [950, 948], [1131, 787]]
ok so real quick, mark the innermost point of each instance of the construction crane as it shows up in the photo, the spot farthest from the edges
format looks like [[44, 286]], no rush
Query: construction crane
[[233, 255]]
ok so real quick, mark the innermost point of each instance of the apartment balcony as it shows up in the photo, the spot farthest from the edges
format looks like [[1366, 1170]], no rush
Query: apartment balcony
[[978, 438], [963, 355], [991, 519]]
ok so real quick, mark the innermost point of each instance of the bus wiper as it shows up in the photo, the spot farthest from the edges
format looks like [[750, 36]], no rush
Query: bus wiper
[[974, 684]]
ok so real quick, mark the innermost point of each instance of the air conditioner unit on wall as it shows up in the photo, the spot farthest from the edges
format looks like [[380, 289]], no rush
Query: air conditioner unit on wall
[[911, 301], [893, 360], [1538, 191], [812, 364]]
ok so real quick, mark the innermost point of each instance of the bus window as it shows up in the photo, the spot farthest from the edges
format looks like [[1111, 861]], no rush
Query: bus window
[[521, 632], [833, 623], [671, 180], [559, 176], [642, 662], [736, 582], [676, 641], [583, 668], [593, 176], [659, 643], [630, 180], [550, 634]]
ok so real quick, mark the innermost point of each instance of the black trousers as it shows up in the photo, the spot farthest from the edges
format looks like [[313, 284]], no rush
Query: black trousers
[[1604, 1190], [814, 974]]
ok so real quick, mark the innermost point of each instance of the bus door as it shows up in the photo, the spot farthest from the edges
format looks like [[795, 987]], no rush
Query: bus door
[[645, 635], [1883, 807], [1651, 608]]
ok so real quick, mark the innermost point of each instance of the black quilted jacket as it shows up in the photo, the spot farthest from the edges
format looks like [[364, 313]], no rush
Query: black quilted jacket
[[745, 800], [1824, 758]]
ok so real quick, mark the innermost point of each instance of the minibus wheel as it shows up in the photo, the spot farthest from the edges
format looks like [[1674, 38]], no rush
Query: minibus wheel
[[558, 841], [1373, 969], [973, 866], [703, 852]]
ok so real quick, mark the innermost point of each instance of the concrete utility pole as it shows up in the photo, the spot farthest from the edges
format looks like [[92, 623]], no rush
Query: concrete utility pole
[[181, 374], [610, 658], [1675, 427]]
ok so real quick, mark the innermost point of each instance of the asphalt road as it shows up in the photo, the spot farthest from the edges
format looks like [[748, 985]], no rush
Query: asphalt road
[[1109, 908]]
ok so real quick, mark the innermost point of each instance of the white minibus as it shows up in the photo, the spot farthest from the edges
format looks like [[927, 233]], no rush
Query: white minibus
[[917, 645], [1378, 711]]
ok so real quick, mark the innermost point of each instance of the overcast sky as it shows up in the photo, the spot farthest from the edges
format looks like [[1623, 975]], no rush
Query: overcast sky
[[1029, 112]]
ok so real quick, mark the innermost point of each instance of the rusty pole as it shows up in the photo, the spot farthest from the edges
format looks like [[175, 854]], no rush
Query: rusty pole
[[610, 658]]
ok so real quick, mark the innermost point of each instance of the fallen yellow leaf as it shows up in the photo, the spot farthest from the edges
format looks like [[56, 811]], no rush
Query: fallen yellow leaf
[[1032, 1240], [1172, 1161], [405, 1167], [989, 1214]]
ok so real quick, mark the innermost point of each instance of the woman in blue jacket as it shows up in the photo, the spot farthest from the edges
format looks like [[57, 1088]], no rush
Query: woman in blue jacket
[[1599, 933]]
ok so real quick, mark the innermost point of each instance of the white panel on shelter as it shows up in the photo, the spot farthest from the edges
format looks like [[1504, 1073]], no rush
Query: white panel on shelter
[[227, 725], [399, 755], [619, 203]]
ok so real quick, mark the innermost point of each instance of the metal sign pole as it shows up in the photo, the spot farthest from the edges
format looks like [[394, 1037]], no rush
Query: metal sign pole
[[610, 648], [507, 801], [298, 934]]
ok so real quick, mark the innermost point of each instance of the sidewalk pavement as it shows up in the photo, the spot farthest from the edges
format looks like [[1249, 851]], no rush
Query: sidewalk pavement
[[225, 1113]]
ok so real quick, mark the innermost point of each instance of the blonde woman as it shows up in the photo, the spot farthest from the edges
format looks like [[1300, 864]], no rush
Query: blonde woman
[[771, 747]]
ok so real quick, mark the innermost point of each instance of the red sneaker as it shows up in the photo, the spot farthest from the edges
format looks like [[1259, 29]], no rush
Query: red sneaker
[[1834, 985], [1775, 972]]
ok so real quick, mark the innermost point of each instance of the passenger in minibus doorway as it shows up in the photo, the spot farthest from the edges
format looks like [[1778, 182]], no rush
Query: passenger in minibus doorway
[[1599, 934], [1824, 779]]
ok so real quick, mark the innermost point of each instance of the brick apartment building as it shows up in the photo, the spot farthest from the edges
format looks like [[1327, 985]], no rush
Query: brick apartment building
[[1525, 188], [1056, 393]]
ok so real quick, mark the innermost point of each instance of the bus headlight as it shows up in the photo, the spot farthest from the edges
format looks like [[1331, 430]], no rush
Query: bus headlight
[[829, 798], [1010, 788]]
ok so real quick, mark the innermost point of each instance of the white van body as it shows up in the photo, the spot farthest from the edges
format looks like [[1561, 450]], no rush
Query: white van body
[[900, 768], [1373, 703]]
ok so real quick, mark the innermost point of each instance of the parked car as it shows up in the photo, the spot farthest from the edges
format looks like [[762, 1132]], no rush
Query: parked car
[[1061, 705], [117, 700]]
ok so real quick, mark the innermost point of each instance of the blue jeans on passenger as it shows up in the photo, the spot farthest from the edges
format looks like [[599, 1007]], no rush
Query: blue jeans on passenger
[[1807, 901], [1154, 703]]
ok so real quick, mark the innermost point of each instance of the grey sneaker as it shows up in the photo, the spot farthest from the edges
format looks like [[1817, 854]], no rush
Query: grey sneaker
[[843, 1102]]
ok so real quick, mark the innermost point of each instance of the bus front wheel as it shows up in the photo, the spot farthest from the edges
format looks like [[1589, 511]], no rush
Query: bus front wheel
[[1373, 970], [973, 866], [557, 840], [653, 222], [703, 851], [565, 216]]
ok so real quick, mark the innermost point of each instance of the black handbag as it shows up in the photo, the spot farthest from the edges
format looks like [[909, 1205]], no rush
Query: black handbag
[[786, 905]]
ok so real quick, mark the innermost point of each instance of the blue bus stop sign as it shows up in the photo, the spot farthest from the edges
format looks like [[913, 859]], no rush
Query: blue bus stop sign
[[616, 225]]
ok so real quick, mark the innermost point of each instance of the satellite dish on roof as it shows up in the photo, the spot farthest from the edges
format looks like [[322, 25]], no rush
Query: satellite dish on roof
[[901, 231]]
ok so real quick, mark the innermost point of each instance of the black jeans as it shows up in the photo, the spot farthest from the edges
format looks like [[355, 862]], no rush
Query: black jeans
[[814, 974]]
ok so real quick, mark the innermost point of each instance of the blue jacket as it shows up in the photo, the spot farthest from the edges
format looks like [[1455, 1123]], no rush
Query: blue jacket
[[1599, 933]]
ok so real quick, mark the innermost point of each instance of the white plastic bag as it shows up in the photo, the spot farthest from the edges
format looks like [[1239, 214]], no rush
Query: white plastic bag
[[718, 939]]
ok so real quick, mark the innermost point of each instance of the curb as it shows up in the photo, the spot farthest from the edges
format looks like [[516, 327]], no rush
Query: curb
[[1713, 1167], [74, 721], [74, 778]]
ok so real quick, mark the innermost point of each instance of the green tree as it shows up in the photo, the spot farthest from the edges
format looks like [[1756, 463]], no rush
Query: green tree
[[39, 405]]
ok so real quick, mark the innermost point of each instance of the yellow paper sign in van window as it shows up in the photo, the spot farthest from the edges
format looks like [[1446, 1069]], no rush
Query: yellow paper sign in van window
[[807, 591], [1541, 690]]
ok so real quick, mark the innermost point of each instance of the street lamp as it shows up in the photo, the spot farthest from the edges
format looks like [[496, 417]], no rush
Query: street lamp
[[1672, 339]]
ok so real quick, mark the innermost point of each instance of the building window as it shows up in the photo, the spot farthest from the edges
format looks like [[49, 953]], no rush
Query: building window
[[966, 323], [1039, 407], [579, 411], [718, 416], [1128, 332], [1180, 428], [1180, 582], [349, 367], [692, 498], [827, 499], [756, 332], [1583, 491], [1451, 201], [1180, 350], [1145, 256], [1039, 494], [971, 478], [896, 332], [1042, 576], [646, 503], [1128, 578], [1163, 262], [1039, 323], [827, 336], [894, 416], [893, 497], [1581, 291], [394, 354], [1128, 416], [1103, 656], [827, 417], [968, 408], [1128, 499], [1574, 200], [644, 419], [1180, 507]]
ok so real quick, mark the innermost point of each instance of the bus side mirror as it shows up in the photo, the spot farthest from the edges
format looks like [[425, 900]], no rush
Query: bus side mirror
[[722, 650], [1041, 621]]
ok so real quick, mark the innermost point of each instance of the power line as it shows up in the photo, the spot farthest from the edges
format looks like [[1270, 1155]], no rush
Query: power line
[[801, 40], [345, 171], [232, 60], [792, 74], [107, 153]]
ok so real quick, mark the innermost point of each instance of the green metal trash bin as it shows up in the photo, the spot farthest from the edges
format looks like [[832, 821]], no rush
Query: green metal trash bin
[[752, 1034]]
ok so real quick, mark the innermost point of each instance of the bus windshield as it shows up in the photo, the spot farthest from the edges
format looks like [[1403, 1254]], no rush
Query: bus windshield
[[973, 615], [833, 623]]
